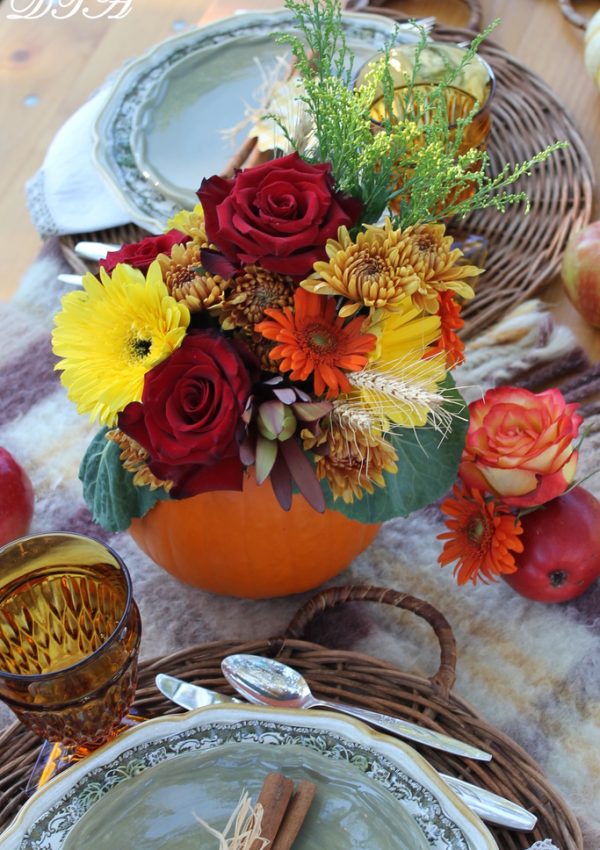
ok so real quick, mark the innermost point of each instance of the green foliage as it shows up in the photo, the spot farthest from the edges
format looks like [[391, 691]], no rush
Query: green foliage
[[423, 157], [427, 467], [108, 489], [340, 113]]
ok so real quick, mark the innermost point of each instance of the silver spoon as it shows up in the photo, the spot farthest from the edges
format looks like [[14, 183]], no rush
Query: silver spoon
[[269, 682], [487, 805]]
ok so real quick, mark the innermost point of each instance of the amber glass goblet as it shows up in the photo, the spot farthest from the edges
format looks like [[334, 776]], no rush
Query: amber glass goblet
[[69, 638], [466, 99]]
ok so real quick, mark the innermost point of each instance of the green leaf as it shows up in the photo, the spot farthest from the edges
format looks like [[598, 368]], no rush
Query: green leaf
[[108, 489], [427, 468]]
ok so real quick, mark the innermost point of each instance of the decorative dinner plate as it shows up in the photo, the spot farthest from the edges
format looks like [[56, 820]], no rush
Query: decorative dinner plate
[[222, 740], [160, 132], [160, 807], [176, 135]]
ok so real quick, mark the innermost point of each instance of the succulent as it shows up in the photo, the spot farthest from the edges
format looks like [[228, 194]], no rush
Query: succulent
[[275, 414]]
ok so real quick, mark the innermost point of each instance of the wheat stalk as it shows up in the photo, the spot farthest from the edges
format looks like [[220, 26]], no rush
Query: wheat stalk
[[407, 384], [351, 421], [353, 418]]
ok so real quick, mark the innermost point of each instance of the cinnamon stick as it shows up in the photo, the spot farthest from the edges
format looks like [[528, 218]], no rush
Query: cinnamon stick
[[295, 815], [239, 157], [274, 798], [258, 158]]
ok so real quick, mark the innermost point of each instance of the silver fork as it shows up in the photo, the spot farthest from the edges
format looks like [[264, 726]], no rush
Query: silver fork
[[94, 251]]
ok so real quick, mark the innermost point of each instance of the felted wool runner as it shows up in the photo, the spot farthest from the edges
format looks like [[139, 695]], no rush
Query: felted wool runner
[[532, 670]]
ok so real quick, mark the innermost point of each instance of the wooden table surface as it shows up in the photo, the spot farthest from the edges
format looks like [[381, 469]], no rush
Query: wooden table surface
[[49, 67]]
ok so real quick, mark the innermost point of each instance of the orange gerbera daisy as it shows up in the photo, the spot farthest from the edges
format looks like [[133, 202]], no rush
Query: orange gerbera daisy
[[450, 321], [313, 340], [481, 538]]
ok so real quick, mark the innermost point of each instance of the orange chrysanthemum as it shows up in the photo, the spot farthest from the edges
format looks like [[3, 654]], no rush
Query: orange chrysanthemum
[[313, 340], [481, 538], [450, 322]]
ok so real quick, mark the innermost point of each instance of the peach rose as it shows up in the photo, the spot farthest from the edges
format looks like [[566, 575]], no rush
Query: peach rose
[[520, 445]]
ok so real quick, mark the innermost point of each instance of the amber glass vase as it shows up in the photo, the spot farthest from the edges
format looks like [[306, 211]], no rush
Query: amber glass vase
[[69, 638]]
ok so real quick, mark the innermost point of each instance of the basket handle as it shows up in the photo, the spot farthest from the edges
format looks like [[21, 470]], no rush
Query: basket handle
[[573, 17], [443, 680], [475, 13]]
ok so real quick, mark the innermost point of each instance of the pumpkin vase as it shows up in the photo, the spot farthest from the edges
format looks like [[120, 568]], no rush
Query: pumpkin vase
[[243, 544]]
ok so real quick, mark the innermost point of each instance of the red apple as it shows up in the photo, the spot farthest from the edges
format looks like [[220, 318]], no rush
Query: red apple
[[581, 272], [16, 499], [561, 554]]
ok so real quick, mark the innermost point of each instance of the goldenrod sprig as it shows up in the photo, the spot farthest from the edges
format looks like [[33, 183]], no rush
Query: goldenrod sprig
[[416, 163]]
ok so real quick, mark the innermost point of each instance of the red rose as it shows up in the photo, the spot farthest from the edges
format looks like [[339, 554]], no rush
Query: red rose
[[278, 215], [190, 414], [520, 446], [141, 254]]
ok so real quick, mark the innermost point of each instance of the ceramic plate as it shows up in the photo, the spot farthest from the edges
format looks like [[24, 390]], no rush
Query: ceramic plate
[[195, 100], [159, 807], [160, 131], [362, 754]]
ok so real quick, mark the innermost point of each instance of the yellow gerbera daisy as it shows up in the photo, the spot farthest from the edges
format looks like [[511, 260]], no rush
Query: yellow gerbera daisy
[[113, 332], [405, 330]]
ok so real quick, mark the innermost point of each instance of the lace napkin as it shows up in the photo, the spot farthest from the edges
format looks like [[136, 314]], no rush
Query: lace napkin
[[68, 194]]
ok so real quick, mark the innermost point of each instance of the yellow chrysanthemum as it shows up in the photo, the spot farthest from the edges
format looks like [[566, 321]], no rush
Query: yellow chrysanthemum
[[187, 281], [135, 460], [251, 293], [190, 223], [368, 272], [355, 459], [428, 252], [113, 332]]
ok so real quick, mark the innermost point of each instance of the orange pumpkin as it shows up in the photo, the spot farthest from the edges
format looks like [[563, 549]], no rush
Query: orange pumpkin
[[244, 544]]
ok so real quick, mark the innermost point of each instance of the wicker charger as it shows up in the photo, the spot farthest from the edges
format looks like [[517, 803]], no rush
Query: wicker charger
[[358, 679], [525, 251]]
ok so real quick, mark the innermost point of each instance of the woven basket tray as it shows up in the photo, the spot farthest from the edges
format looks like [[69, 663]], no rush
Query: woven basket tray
[[359, 679], [524, 251]]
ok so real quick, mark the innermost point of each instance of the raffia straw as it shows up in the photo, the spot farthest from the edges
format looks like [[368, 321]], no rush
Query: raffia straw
[[246, 822]]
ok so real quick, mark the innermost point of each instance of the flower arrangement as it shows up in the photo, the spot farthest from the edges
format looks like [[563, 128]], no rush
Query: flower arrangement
[[302, 320], [519, 454]]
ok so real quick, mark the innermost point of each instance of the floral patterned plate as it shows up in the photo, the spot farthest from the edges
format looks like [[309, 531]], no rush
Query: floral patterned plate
[[47, 818], [160, 133], [160, 807]]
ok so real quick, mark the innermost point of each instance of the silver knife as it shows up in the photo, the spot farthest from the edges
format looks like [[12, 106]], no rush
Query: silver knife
[[187, 695], [71, 279], [489, 806], [94, 250]]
